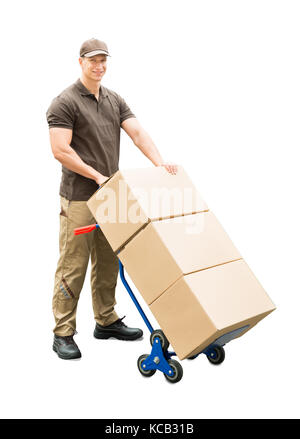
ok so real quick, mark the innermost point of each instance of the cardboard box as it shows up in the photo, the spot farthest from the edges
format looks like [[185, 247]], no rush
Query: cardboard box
[[195, 282], [201, 307], [165, 250], [132, 198]]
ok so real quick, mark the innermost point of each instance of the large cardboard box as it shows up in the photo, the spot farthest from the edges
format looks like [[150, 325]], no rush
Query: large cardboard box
[[165, 250], [132, 198], [203, 306]]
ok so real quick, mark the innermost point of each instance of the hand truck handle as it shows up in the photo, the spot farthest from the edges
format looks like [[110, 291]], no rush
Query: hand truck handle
[[86, 229]]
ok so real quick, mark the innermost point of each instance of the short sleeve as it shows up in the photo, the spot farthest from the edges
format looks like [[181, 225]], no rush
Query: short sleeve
[[125, 112], [60, 113]]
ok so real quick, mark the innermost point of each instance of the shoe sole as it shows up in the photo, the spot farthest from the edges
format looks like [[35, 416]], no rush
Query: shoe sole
[[66, 357], [119, 337]]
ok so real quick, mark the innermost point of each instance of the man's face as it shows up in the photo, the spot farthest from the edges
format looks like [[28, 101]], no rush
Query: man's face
[[93, 67]]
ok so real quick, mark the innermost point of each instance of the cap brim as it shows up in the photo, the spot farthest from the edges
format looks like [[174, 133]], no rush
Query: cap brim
[[96, 52]]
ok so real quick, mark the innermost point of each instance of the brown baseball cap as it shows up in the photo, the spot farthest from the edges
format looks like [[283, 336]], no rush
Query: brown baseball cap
[[93, 47]]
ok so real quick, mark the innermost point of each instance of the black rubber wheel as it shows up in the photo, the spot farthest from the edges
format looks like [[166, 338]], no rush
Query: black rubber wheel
[[218, 355], [145, 373], [163, 339], [178, 372], [193, 357]]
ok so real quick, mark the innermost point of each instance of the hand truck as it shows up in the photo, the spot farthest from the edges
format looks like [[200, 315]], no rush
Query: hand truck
[[160, 358]]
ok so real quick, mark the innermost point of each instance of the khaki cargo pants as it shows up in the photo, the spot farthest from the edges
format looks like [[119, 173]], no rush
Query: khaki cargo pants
[[75, 252]]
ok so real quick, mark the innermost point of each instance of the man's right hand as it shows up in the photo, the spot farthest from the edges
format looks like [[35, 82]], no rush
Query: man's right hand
[[101, 179]]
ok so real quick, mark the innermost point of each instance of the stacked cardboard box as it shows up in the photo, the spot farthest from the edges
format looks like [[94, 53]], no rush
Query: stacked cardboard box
[[179, 257]]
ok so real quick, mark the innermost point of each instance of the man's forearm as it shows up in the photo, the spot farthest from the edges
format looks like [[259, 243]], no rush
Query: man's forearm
[[71, 160], [144, 142]]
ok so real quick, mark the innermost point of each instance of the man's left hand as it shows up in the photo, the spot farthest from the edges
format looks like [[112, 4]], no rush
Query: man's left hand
[[170, 167]]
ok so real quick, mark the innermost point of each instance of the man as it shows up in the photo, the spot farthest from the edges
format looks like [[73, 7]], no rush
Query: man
[[84, 122]]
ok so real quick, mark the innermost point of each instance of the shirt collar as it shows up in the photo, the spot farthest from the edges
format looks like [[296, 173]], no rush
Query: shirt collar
[[85, 92]]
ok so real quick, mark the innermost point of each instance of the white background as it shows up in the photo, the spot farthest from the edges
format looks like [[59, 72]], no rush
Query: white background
[[216, 85]]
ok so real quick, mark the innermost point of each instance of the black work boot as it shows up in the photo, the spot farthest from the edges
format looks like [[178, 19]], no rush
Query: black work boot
[[118, 330], [65, 347]]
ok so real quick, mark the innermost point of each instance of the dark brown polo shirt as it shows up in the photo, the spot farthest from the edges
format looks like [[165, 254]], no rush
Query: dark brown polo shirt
[[96, 134]]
